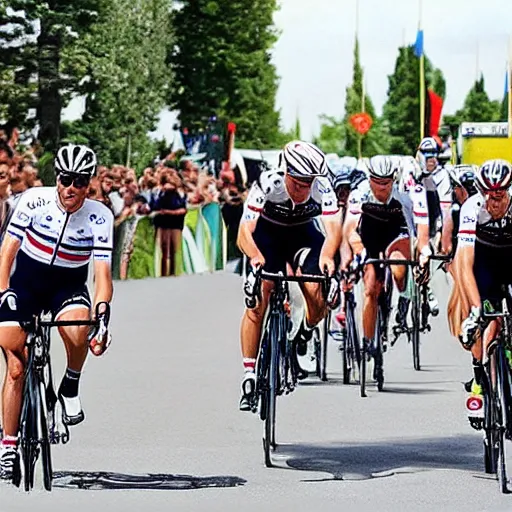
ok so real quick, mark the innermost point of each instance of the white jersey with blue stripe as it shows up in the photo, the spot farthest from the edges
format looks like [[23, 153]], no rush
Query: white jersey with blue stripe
[[50, 235]]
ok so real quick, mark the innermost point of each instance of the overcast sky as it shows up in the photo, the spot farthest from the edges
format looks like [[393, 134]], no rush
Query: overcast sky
[[314, 55]]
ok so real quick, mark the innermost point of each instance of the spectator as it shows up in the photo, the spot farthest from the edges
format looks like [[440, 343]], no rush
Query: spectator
[[4, 195], [170, 208]]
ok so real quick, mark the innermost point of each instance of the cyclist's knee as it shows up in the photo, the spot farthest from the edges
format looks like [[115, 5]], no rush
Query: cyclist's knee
[[15, 365]]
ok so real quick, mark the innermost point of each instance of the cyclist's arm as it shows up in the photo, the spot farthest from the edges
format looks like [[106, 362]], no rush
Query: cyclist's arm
[[102, 254], [10, 247], [20, 220], [333, 234], [465, 255], [349, 227], [253, 207], [418, 196], [447, 235]]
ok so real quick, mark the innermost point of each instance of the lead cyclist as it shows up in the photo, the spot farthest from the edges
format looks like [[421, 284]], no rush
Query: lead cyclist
[[52, 236], [278, 229]]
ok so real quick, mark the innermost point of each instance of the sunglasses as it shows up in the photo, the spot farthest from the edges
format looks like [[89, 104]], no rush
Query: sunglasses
[[77, 180]]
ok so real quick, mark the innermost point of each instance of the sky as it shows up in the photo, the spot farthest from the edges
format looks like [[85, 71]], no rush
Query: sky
[[314, 53]]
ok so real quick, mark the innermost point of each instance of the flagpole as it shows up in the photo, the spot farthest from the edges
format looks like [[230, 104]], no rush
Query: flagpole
[[422, 77], [509, 81]]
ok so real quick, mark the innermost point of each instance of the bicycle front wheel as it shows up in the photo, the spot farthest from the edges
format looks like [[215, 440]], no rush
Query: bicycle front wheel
[[46, 458], [415, 334], [28, 432], [269, 439], [502, 402]]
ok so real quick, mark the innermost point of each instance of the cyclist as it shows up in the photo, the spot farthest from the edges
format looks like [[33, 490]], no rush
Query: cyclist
[[483, 260], [278, 227], [381, 221], [53, 234]]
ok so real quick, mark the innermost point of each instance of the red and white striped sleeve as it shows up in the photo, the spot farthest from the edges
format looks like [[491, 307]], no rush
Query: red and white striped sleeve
[[418, 196]]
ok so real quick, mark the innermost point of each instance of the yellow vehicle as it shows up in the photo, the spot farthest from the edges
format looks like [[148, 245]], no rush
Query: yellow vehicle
[[478, 142]]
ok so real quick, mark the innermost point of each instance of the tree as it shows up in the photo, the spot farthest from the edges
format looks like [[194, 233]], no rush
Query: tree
[[128, 80], [354, 105], [477, 107], [222, 65], [35, 58], [402, 108]]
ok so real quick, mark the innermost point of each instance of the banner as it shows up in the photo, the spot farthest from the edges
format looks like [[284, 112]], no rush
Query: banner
[[203, 247]]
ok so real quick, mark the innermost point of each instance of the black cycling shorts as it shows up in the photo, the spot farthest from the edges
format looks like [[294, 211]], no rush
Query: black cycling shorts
[[492, 269], [40, 287], [300, 246]]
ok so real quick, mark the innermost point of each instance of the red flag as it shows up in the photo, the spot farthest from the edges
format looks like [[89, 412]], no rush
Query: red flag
[[434, 113]]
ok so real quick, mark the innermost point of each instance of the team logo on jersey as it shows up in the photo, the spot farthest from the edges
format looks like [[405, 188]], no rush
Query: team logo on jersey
[[103, 239], [93, 217], [37, 203], [468, 219], [101, 220], [23, 217], [49, 218]]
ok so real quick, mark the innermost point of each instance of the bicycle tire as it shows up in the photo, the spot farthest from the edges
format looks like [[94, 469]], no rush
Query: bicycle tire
[[490, 452], [323, 348], [415, 334], [351, 349], [362, 372], [46, 457], [269, 435], [28, 438], [501, 402], [378, 359], [262, 377]]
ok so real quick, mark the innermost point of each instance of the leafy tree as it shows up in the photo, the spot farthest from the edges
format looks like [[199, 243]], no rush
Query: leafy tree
[[402, 108], [222, 65], [36, 59], [128, 80]]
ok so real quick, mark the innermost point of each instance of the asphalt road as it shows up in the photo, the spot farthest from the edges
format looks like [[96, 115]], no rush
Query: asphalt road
[[164, 402]]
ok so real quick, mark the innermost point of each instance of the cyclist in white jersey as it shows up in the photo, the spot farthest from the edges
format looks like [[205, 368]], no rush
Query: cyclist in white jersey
[[52, 236], [382, 220], [278, 229]]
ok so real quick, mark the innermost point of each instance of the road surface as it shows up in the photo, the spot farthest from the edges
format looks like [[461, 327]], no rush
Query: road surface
[[163, 402]]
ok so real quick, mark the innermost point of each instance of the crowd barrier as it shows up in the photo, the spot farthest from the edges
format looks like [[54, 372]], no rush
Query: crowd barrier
[[203, 249]]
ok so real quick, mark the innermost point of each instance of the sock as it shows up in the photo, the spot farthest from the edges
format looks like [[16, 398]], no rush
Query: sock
[[10, 441], [249, 364], [69, 384], [306, 326], [478, 370]]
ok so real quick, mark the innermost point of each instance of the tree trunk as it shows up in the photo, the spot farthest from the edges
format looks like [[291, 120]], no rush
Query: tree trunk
[[49, 108]]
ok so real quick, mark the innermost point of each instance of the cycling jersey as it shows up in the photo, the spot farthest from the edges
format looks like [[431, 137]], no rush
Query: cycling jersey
[[269, 198], [52, 236], [477, 225], [438, 193], [492, 242]]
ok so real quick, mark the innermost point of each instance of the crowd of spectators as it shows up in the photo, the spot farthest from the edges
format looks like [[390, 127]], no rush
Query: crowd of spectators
[[164, 191]]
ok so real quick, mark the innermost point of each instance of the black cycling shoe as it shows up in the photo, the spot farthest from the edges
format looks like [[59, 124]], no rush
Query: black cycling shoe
[[302, 338], [401, 314]]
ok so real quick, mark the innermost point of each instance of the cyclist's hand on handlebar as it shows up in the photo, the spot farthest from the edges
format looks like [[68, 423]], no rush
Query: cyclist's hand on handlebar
[[258, 261], [102, 338], [333, 297], [252, 286], [326, 264]]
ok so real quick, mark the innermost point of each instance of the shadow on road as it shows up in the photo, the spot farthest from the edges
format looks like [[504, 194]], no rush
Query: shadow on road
[[374, 460], [103, 480]]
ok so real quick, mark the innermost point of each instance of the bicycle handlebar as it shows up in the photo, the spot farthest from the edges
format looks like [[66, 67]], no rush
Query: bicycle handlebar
[[305, 278]]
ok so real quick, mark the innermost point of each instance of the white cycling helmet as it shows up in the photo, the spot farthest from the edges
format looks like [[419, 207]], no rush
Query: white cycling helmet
[[382, 166], [429, 147], [303, 160], [494, 175], [76, 159]]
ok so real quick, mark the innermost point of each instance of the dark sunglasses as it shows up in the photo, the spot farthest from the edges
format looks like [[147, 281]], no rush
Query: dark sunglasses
[[77, 180], [381, 181]]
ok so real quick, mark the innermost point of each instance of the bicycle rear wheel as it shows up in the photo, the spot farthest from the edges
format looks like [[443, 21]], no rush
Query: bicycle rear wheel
[[351, 349], [378, 359], [323, 347]]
